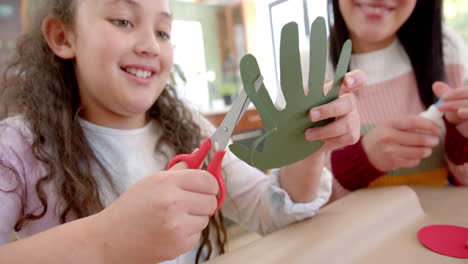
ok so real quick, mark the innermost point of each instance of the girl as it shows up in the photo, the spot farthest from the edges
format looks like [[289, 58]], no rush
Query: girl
[[404, 49], [92, 119]]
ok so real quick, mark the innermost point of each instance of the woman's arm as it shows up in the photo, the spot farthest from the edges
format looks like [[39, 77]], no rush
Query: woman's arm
[[455, 108]]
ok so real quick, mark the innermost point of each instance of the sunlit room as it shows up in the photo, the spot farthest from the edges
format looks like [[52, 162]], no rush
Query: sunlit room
[[336, 131]]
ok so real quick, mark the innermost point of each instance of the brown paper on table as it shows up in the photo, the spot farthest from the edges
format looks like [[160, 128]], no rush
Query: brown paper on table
[[367, 226]]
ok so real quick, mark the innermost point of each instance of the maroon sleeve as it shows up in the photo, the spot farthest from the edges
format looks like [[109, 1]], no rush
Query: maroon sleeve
[[351, 167], [456, 145]]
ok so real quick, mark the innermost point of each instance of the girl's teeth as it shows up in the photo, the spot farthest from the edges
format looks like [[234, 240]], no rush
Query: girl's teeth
[[377, 10], [139, 73]]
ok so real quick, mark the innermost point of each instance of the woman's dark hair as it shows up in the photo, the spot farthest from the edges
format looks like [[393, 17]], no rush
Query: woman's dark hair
[[420, 35], [43, 88]]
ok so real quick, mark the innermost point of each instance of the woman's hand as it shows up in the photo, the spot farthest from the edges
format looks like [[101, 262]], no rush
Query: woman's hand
[[455, 105], [345, 130], [401, 143], [158, 218]]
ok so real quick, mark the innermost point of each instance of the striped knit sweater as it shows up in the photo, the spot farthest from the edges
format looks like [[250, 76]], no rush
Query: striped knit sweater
[[391, 92]]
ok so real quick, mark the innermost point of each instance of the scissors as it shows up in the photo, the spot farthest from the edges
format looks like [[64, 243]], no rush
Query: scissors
[[219, 140]]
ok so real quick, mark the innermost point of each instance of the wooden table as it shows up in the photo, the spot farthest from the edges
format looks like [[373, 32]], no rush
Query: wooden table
[[367, 226]]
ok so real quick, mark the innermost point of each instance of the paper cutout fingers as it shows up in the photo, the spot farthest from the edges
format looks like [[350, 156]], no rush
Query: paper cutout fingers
[[283, 140]]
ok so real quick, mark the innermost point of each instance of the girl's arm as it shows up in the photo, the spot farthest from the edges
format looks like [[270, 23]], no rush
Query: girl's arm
[[157, 219], [302, 179], [74, 242]]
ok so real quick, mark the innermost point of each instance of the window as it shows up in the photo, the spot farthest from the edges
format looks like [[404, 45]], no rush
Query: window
[[189, 54], [10, 29], [456, 16]]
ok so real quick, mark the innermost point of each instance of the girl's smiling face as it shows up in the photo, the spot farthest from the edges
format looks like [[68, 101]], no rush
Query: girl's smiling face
[[373, 24], [123, 57]]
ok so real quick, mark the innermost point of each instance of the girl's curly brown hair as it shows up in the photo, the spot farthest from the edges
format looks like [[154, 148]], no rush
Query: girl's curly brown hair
[[43, 88]]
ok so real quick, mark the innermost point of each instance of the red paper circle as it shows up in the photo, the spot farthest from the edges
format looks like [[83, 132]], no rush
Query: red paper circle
[[447, 240]]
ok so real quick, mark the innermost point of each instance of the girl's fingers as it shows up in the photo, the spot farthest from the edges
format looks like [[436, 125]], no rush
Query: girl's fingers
[[197, 181], [195, 224], [198, 204], [188, 241], [337, 128], [181, 165], [353, 80], [193, 239], [346, 139], [340, 107]]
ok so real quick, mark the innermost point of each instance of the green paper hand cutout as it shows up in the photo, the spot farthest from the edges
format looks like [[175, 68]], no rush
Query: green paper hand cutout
[[284, 141]]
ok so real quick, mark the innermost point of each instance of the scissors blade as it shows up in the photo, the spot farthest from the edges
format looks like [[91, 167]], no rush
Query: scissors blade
[[223, 133]]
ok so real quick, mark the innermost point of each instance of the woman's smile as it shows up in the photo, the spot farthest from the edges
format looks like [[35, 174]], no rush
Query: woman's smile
[[375, 10]]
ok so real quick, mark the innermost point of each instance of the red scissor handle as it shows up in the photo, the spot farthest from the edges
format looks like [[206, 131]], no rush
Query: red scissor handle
[[195, 160], [215, 169]]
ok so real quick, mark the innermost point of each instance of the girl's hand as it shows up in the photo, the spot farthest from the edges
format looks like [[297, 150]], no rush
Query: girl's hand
[[401, 143], [455, 105], [158, 218], [345, 130], [302, 179]]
